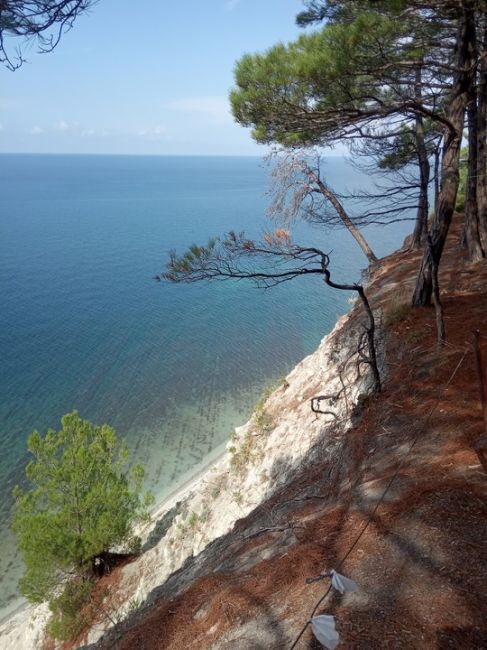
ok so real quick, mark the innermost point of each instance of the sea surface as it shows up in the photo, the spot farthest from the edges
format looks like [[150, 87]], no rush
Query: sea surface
[[173, 368]]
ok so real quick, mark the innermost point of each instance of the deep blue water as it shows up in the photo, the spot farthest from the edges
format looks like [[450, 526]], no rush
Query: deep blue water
[[82, 325]]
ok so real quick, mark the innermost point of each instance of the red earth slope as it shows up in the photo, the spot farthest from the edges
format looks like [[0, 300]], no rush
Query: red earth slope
[[422, 561]]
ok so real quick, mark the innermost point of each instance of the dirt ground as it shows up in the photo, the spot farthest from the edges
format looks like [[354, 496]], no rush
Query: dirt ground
[[402, 511]]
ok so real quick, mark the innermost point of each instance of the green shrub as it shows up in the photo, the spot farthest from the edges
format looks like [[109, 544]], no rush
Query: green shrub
[[215, 487], [193, 520], [80, 499], [205, 513], [263, 421], [242, 455]]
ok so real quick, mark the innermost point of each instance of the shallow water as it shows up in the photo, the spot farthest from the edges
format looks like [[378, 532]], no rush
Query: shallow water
[[82, 325]]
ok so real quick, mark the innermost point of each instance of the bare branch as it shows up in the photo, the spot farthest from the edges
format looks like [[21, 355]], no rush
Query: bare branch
[[42, 20], [268, 262]]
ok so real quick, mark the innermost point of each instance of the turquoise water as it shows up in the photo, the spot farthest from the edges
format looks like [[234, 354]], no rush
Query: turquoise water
[[82, 325]]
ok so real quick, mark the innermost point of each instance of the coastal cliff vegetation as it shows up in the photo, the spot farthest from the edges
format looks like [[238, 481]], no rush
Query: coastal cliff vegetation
[[79, 503], [400, 84]]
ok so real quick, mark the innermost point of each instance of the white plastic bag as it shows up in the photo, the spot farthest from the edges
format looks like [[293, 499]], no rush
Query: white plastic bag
[[324, 630], [341, 583]]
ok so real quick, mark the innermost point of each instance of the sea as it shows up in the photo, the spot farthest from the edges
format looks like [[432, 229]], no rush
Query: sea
[[83, 324]]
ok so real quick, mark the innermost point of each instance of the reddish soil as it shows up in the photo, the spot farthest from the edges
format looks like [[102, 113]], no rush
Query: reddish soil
[[421, 561]]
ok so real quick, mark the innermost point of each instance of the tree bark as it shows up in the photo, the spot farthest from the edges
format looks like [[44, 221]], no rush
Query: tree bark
[[471, 229], [440, 321], [347, 221], [482, 134], [437, 172], [421, 226], [451, 156]]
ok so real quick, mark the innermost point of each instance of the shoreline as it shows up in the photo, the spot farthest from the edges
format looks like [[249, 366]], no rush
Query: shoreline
[[186, 485], [216, 493], [189, 481]]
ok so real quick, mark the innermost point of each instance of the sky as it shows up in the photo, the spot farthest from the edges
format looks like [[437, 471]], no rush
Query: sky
[[145, 77]]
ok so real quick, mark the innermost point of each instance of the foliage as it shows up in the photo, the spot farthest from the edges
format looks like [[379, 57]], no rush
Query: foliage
[[321, 87], [81, 501], [261, 419], [44, 21], [217, 485], [193, 519], [241, 456], [238, 497], [267, 262], [71, 610], [376, 72]]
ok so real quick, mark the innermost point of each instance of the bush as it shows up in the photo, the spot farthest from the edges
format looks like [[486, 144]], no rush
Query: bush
[[242, 455], [82, 500]]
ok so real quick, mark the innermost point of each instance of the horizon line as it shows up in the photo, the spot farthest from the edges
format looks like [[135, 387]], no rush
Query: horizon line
[[142, 155]]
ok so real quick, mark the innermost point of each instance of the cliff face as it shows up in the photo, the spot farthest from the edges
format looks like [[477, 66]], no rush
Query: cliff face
[[389, 482], [262, 457], [282, 436]]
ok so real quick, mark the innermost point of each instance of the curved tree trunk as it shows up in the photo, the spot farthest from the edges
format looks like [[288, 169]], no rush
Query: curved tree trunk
[[450, 160], [369, 327]]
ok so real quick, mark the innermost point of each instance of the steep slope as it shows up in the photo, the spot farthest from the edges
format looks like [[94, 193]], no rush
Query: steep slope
[[421, 560], [389, 488], [417, 550]]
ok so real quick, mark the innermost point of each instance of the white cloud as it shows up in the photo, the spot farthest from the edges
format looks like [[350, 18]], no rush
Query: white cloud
[[36, 130], [157, 131], [62, 125], [217, 108]]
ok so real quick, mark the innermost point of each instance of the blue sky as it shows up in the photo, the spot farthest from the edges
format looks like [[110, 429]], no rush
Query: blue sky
[[150, 77]]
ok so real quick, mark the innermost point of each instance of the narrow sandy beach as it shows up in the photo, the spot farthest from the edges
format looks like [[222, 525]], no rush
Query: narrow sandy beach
[[187, 484]]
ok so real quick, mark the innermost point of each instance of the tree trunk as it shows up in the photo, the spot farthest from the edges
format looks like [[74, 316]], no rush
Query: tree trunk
[[471, 229], [421, 225], [369, 327], [440, 321], [450, 160], [437, 172], [481, 136], [347, 221]]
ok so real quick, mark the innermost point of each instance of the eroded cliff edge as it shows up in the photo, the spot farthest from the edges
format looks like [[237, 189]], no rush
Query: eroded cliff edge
[[226, 567]]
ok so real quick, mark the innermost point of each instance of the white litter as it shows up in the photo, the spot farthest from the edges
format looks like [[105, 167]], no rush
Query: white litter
[[324, 630], [341, 583]]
